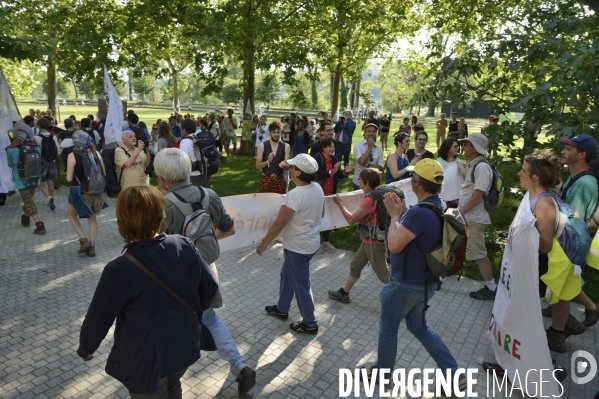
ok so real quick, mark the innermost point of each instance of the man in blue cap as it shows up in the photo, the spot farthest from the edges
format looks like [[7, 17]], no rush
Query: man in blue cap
[[580, 192]]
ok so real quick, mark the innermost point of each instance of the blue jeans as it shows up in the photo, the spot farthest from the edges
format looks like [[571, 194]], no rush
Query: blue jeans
[[295, 279], [225, 345], [345, 150], [406, 301]]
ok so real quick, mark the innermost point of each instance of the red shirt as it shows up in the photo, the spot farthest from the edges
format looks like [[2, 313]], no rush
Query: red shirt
[[328, 186]]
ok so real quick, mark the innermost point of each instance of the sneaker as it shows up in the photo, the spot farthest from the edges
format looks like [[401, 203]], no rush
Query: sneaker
[[546, 312], [439, 284], [91, 251], [320, 250], [272, 310], [591, 316], [556, 341], [39, 228], [84, 245], [339, 296], [483, 294], [302, 327], [25, 221], [51, 203], [328, 246], [573, 327]]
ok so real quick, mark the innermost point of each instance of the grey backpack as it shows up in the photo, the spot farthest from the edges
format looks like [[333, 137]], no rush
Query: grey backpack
[[29, 166], [198, 225], [94, 182]]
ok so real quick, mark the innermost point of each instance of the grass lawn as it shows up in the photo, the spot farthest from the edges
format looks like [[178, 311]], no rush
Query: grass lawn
[[239, 176]]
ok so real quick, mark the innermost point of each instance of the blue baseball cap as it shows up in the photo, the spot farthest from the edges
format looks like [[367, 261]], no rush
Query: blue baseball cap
[[583, 141]]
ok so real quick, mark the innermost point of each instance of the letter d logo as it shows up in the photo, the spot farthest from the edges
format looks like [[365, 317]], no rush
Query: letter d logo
[[579, 364]]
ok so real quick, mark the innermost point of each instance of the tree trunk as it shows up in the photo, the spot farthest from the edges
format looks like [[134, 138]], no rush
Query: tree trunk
[[249, 79], [343, 93], [75, 87], [130, 88], [51, 68], [314, 94], [335, 91], [352, 96], [358, 92], [431, 107], [175, 90]]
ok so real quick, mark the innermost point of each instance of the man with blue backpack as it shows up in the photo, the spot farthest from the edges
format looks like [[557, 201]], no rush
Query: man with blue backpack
[[24, 157], [580, 191]]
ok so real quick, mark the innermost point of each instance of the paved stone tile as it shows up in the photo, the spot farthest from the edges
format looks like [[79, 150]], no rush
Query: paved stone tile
[[46, 289]]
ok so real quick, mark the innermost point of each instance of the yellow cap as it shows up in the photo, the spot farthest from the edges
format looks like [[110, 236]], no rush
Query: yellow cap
[[428, 169]]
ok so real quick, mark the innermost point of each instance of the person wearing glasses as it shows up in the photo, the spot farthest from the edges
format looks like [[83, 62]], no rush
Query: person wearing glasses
[[367, 153], [325, 131], [420, 152]]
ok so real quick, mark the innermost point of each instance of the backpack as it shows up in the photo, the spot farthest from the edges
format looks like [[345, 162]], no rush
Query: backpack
[[49, 150], [593, 221], [207, 159], [29, 166], [94, 182], [198, 225], [113, 184], [571, 231], [495, 196], [448, 258], [378, 232]]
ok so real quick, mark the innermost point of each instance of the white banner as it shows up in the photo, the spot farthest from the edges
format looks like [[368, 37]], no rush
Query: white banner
[[9, 112], [255, 213], [114, 116], [516, 332]]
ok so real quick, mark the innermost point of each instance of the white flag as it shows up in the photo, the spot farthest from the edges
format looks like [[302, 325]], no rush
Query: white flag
[[9, 112], [114, 116], [178, 105], [56, 102], [248, 108], [336, 117]]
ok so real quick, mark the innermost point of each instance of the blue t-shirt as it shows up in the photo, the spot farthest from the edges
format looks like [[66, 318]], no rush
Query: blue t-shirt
[[427, 225], [176, 130]]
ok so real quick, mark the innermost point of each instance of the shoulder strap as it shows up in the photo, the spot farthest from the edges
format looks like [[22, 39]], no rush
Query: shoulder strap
[[431, 206], [556, 201], [474, 168], [160, 283], [179, 202], [573, 180]]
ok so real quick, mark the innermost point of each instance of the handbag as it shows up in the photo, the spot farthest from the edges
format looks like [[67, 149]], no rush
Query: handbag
[[206, 340]]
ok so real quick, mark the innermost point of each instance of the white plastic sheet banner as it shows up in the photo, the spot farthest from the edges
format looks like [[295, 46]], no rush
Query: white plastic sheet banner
[[255, 213], [114, 116], [452, 182], [9, 112], [516, 332]]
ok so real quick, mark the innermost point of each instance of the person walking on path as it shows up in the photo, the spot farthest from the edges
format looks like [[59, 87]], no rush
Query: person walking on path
[[300, 216], [369, 180], [27, 188], [82, 205]]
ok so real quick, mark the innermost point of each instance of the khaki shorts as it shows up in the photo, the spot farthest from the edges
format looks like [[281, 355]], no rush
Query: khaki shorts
[[378, 263], [230, 139], [476, 249], [27, 197]]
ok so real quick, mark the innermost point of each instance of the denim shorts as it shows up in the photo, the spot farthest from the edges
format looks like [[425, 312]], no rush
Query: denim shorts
[[48, 170]]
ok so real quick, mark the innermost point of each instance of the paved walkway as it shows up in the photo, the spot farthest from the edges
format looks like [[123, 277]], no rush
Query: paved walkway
[[46, 288]]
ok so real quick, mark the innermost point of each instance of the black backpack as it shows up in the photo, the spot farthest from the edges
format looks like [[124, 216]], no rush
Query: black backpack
[[207, 159], [49, 150], [29, 166], [113, 183]]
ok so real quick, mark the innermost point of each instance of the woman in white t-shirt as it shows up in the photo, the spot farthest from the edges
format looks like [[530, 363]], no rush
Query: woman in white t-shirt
[[300, 216]]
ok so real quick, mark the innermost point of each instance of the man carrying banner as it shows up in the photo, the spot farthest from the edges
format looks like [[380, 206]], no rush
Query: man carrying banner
[[412, 284], [173, 168], [472, 207], [270, 156]]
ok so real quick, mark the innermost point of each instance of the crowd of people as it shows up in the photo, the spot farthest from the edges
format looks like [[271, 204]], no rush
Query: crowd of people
[[177, 308]]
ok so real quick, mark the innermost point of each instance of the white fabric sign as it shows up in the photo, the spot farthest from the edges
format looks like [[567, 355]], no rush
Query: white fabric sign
[[255, 213], [452, 182], [516, 332], [114, 117], [8, 113]]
